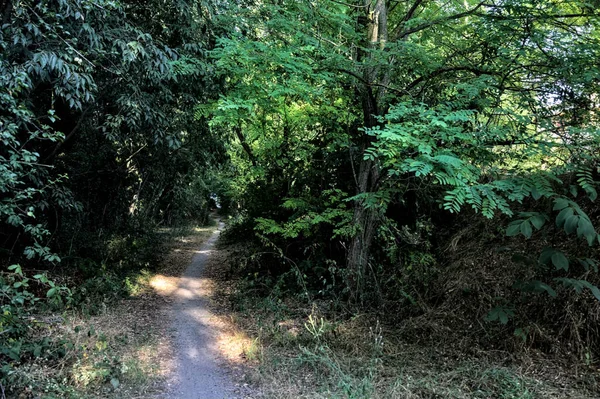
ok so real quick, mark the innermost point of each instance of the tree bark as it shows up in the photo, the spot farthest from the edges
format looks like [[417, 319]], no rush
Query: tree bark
[[372, 92], [238, 132]]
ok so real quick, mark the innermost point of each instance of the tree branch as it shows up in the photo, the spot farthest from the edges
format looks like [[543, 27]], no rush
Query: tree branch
[[400, 34], [371, 84], [412, 11], [238, 132], [443, 70]]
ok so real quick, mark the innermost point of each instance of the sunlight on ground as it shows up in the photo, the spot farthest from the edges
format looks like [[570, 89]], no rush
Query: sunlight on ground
[[233, 344], [164, 285], [209, 229]]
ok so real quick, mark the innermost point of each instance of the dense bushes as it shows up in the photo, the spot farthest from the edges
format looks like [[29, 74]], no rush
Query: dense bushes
[[364, 140], [99, 148]]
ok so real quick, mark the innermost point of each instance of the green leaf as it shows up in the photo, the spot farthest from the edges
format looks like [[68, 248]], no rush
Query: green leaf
[[571, 224], [500, 313], [588, 264], [585, 228], [538, 221], [513, 229], [573, 190], [560, 261], [526, 229], [563, 216], [595, 291], [535, 286], [51, 292], [546, 255], [548, 289], [560, 203]]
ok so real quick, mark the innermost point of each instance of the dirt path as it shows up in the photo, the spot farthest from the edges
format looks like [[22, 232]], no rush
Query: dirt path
[[198, 373]]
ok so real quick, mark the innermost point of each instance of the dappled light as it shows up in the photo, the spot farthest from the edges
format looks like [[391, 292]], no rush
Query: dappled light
[[300, 199]]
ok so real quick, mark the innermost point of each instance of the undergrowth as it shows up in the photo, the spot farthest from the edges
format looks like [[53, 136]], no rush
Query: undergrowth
[[92, 333], [306, 346]]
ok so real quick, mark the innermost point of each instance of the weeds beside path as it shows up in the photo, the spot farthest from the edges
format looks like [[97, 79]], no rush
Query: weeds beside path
[[301, 349], [127, 349], [131, 353]]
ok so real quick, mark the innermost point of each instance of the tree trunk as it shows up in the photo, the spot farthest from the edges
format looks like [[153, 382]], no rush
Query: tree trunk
[[366, 219]]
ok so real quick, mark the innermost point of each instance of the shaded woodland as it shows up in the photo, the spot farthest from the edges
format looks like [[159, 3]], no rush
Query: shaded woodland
[[434, 163]]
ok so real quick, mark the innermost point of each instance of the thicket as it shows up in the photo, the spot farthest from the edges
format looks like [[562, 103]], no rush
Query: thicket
[[382, 155], [100, 148], [383, 149]]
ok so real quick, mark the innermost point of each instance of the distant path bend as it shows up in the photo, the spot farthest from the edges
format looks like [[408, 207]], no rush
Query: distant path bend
[[198, 375]]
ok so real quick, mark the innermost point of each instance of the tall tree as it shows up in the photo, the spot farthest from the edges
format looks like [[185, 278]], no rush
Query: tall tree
[[444, 90]]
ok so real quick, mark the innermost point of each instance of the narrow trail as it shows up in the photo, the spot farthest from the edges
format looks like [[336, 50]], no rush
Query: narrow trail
[[198, 374]]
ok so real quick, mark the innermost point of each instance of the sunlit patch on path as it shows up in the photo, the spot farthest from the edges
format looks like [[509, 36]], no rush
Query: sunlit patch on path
[[200, 337]]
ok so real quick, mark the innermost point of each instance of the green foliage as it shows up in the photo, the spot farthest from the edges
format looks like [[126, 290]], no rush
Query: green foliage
[[501, 314], [574, 220], [99, 146], [24, 296]]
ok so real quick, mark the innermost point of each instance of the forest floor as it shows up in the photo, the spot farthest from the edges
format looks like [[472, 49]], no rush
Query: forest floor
[[143, 346], [282, 345], [297, 348]]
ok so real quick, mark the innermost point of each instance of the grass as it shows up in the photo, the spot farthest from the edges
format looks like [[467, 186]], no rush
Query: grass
[[123, 351], [297, 349]]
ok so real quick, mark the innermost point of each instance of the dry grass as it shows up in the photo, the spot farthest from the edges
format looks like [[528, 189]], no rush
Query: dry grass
[[125, 351], [299, 350]]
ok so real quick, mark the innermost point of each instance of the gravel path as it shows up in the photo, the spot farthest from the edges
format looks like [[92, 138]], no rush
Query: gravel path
[[198, 374]]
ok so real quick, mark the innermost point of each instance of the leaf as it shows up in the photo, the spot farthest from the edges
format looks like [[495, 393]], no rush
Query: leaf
[[115, 382], [51, 292], [538, 221], [513, 229], [585, 228], [546, 255], [526, 229], [536, 286], [573, 190], [563, 216], [521, 333], [579, 285], [560, 261], [595, 291], [500, 313], [548, 289], [572, 283], [560, 203], [571, 224], [588, 264]]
